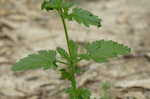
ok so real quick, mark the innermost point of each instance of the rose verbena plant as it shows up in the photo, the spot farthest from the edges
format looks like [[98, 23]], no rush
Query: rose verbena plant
[[98, 51]]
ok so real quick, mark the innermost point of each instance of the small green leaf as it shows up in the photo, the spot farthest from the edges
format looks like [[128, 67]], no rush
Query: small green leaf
[[105, 85], [73, 49], [43, 59], [84, 17], [79, 93], [79, 70], [65, 74], [84, 93], [63, 53], [105, 90], [67, 5], [101, 51], [55, 5], [46, 5]]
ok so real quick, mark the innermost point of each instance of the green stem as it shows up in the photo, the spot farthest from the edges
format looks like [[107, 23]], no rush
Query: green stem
[[73, 81], [60, 11]]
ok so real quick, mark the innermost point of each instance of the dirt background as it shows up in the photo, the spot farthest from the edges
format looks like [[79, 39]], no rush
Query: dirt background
[[24, 29]]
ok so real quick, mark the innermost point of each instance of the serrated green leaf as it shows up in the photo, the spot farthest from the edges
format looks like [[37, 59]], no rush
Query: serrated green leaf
[[101, 51], [55, 5], [63, 53], [43, 59], [79, 93], [84, 17]]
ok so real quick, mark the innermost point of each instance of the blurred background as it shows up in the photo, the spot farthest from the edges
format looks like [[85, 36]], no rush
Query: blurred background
[[24, 29]]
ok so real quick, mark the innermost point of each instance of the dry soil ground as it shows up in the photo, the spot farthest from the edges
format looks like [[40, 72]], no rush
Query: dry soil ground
[[24, 28]]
